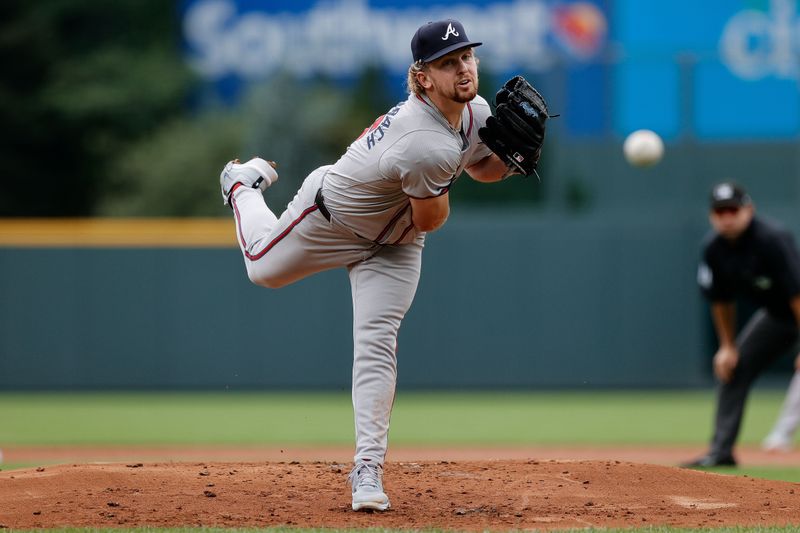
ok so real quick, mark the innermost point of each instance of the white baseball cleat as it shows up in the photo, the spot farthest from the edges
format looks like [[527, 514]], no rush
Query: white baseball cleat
[[367, 482], [776, 443], [256, 174]]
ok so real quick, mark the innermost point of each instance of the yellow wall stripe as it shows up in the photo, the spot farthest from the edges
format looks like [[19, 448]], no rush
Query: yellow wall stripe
[[118, 232]]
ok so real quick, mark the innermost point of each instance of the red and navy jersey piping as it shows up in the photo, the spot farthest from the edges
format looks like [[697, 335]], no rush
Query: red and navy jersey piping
[[258, 255]]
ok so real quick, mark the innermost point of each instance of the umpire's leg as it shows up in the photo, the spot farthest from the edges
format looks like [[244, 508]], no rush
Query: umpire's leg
[[762, 340]]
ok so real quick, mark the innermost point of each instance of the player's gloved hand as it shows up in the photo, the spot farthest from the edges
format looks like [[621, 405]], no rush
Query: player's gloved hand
[[515, 132], [256, 173]]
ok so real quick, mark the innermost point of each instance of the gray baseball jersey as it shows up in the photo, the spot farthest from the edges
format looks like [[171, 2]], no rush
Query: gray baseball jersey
[[410, 152]]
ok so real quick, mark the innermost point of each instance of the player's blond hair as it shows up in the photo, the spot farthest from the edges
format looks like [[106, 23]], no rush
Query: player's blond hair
[[412, 83]]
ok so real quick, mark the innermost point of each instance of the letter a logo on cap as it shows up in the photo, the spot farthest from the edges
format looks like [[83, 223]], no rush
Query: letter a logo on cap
[[450, 31]]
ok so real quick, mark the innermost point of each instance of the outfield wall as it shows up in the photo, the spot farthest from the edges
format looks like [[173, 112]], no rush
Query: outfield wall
[[504, 301], [594, 287]]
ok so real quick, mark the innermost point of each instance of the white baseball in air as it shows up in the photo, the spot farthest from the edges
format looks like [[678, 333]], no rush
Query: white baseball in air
[[643, 148]]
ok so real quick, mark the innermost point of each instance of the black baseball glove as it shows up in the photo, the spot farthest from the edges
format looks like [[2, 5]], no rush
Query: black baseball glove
[[515, 132]]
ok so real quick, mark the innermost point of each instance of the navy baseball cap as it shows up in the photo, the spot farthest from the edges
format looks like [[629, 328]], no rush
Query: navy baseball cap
[[728, 194], [435, 39]]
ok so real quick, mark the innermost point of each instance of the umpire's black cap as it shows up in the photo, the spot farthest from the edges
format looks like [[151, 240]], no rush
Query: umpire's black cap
[[435, 39], [729, 194]]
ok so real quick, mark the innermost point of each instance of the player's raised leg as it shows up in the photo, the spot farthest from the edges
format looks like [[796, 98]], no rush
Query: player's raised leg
[[279, 251], [254, 220], [383, 288]]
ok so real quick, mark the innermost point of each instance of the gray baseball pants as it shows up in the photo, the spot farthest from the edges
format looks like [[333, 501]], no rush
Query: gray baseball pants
[[789, 417], [383, 280], [761, 342]]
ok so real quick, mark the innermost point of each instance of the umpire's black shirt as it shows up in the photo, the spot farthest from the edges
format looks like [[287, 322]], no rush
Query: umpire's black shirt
[[762, 265]]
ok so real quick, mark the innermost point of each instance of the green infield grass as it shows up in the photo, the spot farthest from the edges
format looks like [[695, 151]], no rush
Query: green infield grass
[[460, 419]]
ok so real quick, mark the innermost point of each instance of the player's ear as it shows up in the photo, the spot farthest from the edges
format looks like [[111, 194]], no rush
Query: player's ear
[[424, 80]]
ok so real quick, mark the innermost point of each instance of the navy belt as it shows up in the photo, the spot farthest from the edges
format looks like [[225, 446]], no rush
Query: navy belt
[[320, 201]]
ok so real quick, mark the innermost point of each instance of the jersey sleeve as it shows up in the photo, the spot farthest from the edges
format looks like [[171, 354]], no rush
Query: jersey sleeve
[[712, 280], [425, 162]]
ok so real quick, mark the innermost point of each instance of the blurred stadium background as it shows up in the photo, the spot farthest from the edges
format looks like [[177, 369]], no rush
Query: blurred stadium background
[[118, 267]]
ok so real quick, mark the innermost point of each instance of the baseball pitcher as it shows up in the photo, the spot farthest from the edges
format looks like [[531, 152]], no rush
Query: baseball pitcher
[[369, 212]]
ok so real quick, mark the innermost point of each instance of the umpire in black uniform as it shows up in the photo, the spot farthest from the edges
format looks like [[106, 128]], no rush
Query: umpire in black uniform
[[749, 257]]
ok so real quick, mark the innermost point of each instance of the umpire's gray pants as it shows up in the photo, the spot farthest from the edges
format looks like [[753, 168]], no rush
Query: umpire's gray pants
[[383, 279], [761, 342]]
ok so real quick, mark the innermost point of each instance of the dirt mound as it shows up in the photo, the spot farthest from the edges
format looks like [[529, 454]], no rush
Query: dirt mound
[[465, 495]]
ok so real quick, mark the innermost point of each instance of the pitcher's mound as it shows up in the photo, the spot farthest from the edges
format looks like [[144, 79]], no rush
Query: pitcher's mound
[[464, 495]]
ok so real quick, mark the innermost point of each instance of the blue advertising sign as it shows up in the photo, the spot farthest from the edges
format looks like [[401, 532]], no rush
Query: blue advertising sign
[[252, 39], [234, 42], [692, 67]]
